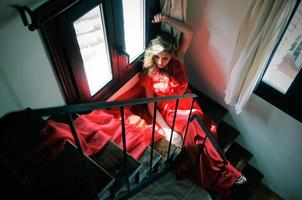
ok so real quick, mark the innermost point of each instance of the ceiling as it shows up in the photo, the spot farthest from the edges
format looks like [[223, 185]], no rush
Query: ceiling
[[8, 12]]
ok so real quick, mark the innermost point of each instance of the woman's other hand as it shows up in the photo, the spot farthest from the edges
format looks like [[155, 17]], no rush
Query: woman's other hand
[[159, 17], [176, 137]]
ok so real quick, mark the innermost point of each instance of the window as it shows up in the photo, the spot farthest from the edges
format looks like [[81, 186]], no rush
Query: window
[[281, 83], [92, 40], [286, 62], [96, 45], [134, 26]]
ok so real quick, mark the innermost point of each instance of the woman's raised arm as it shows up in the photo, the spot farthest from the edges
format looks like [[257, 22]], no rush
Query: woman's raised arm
[[178, 25], [185, 29]]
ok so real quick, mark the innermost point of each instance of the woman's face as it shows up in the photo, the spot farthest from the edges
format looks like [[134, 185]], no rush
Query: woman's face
[[162, 59]]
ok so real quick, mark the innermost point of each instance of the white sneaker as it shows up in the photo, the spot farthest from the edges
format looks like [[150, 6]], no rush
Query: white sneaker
[[241, 180]]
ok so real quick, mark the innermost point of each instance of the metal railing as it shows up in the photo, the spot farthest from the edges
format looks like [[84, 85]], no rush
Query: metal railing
[[86, 107]]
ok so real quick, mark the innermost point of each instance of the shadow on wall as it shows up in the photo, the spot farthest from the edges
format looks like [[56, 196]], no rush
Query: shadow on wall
[[9, 88], [8, 11], [204, 70], [258, 109]]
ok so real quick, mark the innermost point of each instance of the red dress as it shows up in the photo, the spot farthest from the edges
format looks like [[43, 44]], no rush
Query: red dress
[[205, 165], [98, 127]]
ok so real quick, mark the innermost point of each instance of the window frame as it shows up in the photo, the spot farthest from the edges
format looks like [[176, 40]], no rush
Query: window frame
[[289, 102], [60, 40], [73, 51]]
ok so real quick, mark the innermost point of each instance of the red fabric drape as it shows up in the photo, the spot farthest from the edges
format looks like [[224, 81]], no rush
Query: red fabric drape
[[98, 127]]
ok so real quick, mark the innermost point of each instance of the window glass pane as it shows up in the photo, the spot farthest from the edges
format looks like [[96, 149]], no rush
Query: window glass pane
[[287, 60], [134, 17], [91, 38]]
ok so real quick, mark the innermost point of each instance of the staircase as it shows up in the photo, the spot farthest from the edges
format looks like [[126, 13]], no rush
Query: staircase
[[72, 175], [106, 168], [110, 159]]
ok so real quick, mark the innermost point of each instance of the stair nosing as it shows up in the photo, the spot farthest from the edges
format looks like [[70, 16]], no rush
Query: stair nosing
[[246, 153]]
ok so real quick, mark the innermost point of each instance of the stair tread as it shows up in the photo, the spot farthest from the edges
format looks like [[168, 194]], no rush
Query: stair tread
[[145, 160], [210, 107], [226, 135], [162, 148], [244, 191], [238, 156], [111, 159], [253, 175], [160, 154], [68, 173]]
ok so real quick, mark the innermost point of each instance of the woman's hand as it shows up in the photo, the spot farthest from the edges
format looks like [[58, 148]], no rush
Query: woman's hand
[[180, 26], [159, 17]]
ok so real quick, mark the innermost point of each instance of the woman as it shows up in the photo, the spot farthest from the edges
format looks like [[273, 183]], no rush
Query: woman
[[164, 75]]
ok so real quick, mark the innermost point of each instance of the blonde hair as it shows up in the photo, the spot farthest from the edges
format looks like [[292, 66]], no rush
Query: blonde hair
[[163, 42]]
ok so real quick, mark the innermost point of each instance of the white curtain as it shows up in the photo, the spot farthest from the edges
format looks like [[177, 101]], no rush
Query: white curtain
[[177, 10], [259, 32]]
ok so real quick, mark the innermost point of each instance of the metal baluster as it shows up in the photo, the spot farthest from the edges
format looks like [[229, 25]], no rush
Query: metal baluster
[[152, 142], [173, 124], [183, 143], [211, 138], [124, 149], [80, 150]]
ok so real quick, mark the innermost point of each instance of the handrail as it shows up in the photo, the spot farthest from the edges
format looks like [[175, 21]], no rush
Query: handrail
[[84, 107], [69, 109]]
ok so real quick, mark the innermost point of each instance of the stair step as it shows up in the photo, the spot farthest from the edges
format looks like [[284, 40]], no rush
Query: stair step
[[162, 148], [226, 135], [253, 175], [145, 160], [210, 107], [238, 156], [244, 191], [160, 154], [67, 177], [111, 159]]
